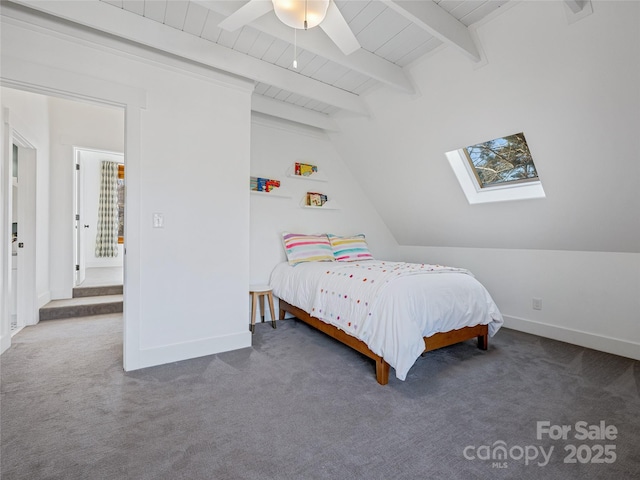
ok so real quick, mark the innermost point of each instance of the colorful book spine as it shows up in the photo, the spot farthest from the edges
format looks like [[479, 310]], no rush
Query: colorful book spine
[[316, 199], [305, 169], [259, 184]]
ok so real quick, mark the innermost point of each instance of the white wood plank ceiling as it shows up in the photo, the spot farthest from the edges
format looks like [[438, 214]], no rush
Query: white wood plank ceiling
[[394, 39], [392, 34]]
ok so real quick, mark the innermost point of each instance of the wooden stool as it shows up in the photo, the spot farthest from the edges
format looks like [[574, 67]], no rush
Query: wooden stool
[[258, 292]]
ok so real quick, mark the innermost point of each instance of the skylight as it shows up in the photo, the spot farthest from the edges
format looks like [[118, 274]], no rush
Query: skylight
[[497, 170], [501, 161]]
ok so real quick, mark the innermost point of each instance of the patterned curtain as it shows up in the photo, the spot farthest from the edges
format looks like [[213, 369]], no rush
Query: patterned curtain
[[107, 236]]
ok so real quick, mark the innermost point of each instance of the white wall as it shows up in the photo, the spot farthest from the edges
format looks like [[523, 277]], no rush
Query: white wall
[[588, 298], [187, 146], [275, 146], [573, 90], [74, 124]]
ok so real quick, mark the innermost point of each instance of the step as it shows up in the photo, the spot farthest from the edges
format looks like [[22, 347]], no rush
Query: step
[[81, 307], [79, 292]]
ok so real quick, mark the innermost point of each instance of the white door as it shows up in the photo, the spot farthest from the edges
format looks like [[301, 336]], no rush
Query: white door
[[26, 308]]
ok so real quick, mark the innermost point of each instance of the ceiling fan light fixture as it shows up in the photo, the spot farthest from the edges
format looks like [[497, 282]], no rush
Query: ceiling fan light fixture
[[301, 14]]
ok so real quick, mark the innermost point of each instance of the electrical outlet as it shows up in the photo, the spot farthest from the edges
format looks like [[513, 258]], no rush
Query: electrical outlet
[[537, 304]]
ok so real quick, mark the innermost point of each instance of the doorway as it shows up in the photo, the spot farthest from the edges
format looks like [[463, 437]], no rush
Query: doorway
[[39, 132], [91, 270]]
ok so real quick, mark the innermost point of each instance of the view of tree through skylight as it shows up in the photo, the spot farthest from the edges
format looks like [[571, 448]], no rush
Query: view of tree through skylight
[[501, 161]]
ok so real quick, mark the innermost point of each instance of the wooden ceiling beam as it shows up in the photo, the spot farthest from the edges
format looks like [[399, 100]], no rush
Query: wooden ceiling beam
[[293, 113]]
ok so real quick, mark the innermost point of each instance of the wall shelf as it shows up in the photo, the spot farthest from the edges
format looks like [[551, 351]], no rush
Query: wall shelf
[[329, 205], [270, 194], [316, 177]]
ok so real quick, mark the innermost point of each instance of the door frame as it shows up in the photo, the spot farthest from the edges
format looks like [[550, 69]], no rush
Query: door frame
[[78, 237], [27, 299], [82, 216], [26, 304], [6, 215]]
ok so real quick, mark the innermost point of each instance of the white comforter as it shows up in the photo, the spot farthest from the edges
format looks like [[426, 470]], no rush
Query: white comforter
[[390, 306]]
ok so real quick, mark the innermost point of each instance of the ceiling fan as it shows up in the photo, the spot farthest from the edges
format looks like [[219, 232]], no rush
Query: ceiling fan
[[298, 14]]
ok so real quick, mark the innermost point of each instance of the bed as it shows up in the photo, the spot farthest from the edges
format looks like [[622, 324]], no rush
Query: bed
[[392, 312]]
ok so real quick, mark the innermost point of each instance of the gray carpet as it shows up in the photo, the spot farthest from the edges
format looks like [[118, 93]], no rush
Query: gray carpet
[[298, 405]]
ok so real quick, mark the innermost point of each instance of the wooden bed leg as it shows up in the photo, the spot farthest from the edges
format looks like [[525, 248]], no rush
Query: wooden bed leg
[[282, 313], [382, 371], [483, 342]]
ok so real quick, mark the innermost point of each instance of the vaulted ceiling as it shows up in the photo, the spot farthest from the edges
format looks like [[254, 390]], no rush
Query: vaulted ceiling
[[391, 34]]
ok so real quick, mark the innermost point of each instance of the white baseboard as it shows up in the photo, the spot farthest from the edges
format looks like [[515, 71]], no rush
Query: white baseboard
[[61, 294], [44, 298], [576, 337], [184, 351], [106, 264]]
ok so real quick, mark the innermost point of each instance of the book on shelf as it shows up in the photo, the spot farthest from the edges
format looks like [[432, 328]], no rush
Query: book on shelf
[[305, 169], [316, 199], [259, 184]]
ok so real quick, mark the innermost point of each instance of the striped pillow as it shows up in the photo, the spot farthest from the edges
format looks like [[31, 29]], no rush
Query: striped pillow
[[307, 248], [350, 249]]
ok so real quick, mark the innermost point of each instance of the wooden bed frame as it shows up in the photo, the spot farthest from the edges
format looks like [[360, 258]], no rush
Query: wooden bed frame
[[435, 341]]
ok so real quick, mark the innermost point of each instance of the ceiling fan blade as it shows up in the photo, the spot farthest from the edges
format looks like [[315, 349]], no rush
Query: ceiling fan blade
[[250, 11], [338, 30]]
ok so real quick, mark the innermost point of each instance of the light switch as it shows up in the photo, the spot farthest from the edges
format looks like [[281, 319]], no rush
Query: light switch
[[158, 220]]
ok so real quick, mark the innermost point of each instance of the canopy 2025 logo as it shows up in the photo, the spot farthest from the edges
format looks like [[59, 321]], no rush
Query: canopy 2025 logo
[[587, 451]]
